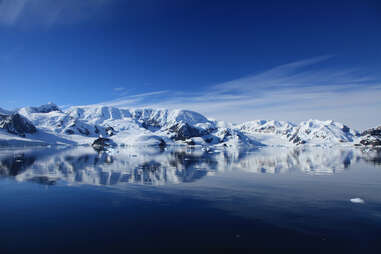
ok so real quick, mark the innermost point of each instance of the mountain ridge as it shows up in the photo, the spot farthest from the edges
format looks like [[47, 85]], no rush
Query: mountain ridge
[[81, 125]]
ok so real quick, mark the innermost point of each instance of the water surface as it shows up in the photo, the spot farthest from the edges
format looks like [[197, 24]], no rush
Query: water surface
[[79, 199]]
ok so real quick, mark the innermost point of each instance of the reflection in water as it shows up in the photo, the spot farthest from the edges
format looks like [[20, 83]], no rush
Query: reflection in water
[[157, 167], [373, 156]]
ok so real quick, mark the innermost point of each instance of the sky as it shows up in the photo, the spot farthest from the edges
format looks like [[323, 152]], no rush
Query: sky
[[229, 60]]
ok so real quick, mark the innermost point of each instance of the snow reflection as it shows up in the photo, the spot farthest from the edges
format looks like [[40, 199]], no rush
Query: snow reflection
[[151, 166]]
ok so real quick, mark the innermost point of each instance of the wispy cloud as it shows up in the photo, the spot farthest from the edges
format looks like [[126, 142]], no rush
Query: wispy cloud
[[150, 94], [134, 99], [119, 89], [10, 10], [296, 91], [48, 12]]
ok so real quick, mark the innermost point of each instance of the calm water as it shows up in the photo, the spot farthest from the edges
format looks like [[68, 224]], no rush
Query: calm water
[[81, 200]]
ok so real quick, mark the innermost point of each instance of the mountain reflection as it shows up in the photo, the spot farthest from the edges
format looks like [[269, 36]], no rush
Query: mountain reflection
[[149, 166]]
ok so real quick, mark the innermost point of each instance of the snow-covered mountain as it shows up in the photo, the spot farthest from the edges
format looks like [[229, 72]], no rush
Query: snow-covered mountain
[[14, 128], [41, 109], [16, 124], [82, 125], [371, 137], [327, 132], [313, 132]]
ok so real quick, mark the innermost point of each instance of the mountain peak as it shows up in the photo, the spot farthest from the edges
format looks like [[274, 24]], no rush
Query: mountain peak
[[45, 108], [82, 124]]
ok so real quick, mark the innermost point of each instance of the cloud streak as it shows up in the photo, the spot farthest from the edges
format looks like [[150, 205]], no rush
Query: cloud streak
[[49, 12], [119, 89], [297, 91], [134, 99]]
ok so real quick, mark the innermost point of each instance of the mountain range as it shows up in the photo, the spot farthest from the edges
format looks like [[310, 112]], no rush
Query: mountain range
[[86, 125]]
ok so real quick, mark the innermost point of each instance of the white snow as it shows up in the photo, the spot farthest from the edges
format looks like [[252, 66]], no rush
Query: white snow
[[8, 140], [41, 109], [268, 126], [312, 132], [81, 125], [325, 132]]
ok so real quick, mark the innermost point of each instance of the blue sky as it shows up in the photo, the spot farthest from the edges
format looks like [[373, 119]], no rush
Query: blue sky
[[230, 60]]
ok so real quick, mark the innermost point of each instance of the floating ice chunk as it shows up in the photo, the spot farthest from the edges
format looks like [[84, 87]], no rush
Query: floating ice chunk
[[357, 200]]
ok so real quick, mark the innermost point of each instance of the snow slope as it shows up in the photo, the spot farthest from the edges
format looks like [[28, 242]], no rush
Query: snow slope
[[81, 125], [132, 126], [323, 132], [15, 141], [312, 132]]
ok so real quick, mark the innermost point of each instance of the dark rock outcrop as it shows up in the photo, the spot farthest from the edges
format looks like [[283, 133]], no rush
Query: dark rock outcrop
[[371, 142], [184, 131], [16, 124], [371, 137], [110, 131], [47, 108], [295, 138], [346, 129], [69, 132], [102, 143], [373, 132], [151, 124], [84, 131]]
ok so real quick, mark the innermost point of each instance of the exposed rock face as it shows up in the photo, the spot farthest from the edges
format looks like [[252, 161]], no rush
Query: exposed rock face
[[16, 124], [166, 127], [151, 124], [69, 132], [294, 138], [110, 131], [373, 131], [371, 142], [172, 126], [184, 131], [47, 108], [73, 126], [371, 137]]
